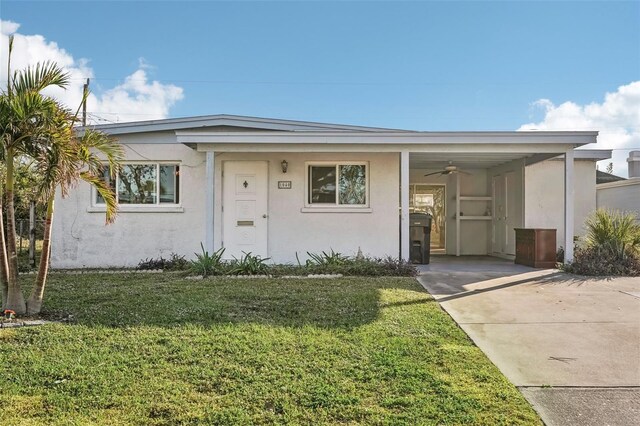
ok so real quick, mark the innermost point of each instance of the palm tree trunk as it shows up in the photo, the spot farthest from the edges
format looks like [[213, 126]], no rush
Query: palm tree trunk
[[4, 266], [34, 304], [15, 298]]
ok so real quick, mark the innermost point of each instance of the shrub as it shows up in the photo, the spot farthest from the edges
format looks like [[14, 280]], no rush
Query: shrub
[[331, 263], [325, 259], [335, 263], [612, 246], [249, 264], [594, 262], [174, 263], [207, 264], [614, 233]]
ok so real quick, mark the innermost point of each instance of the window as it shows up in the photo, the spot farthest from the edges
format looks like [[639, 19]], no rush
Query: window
[[145, 184], [337, 184]]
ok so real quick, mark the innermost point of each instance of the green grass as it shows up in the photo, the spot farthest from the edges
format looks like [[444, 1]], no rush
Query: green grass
[[154, 349]]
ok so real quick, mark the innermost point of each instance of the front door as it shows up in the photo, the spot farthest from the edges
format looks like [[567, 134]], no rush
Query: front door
[[244, 208]]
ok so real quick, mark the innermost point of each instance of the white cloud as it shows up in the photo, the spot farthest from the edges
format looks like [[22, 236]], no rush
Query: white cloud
[[135, 99], [617, 119]]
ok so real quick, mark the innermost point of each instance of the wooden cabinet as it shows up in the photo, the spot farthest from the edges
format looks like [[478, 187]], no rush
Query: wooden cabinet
[[536, 247]]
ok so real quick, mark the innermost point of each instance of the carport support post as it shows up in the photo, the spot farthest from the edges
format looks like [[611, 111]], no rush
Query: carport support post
[[568, 205], [210, 197], [404, 205]]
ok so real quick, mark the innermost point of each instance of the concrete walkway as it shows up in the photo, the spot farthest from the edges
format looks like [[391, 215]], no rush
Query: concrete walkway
[[571, 345]]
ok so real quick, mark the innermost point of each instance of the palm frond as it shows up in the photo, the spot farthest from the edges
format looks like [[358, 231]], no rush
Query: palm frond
[[39, 77], [105, 191], [613, 231]]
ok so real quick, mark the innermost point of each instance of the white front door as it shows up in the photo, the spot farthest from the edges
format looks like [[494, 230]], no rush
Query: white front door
[[504, 219], [244, 208]]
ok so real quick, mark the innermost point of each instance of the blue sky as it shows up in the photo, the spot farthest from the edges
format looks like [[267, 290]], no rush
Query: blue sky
[[420, 65]]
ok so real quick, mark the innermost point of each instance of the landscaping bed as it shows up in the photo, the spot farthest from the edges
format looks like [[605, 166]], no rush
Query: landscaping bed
[[159, 349]]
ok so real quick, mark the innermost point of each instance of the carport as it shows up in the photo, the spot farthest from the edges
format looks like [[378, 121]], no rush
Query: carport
[[480, 178]]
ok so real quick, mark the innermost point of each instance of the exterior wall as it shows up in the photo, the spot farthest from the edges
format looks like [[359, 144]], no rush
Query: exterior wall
[[623, 196], [544, 195], [291, 231], [81, 238]]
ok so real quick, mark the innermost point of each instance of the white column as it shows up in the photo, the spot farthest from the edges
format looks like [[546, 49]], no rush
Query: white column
[[457, 214], [210, 191], [404, 205], [568, 205]]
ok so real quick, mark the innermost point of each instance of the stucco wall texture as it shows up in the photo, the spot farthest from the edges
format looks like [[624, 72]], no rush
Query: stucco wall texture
[[82, 240], [291, 231], [622, 196], [544, 195]]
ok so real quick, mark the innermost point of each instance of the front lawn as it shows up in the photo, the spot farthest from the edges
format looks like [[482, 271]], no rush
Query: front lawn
[[157, 349]]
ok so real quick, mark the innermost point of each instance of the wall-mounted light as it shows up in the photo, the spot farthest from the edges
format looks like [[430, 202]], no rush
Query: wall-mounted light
[[284, 165]]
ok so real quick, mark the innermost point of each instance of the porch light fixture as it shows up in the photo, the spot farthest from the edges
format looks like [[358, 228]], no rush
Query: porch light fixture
[[284, 165]]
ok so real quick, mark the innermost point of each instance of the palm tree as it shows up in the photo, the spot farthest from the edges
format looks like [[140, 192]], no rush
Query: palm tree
[[68, 159], [38, 127], [24, 115]]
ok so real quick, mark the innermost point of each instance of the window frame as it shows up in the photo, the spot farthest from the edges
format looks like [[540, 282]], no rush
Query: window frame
[[157, 204], [336, 206]]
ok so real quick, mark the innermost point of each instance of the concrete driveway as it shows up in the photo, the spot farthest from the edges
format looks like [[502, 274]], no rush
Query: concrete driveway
[[571, 345]]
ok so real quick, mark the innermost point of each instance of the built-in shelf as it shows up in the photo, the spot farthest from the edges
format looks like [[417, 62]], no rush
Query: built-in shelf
[[476, 217], [474, 198]]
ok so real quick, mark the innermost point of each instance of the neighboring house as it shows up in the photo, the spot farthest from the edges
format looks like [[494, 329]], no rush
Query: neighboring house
[[622, 194], [604, 177], [281, 188]]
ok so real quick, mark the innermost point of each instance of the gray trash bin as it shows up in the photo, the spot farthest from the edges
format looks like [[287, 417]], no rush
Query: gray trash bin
[[420, 237]]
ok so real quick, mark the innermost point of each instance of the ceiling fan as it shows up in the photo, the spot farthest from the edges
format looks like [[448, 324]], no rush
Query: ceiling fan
[[450, 169]]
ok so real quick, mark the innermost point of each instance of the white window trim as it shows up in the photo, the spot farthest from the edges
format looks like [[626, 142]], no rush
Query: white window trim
[[139, 208], [335, 207], [158, 207]]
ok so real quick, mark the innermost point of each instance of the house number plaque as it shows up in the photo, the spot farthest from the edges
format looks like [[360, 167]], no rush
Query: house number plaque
[[284, 184]]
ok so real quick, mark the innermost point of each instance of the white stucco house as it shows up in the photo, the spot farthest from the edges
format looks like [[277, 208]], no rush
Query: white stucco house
[[622, 194], [278, 188]]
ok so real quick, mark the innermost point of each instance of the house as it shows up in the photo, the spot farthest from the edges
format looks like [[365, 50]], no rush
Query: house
[[604, 177], [282, 188], [622, 194]]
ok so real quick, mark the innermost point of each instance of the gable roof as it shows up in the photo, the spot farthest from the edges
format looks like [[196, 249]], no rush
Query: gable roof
[[251, 123], [604, 177]]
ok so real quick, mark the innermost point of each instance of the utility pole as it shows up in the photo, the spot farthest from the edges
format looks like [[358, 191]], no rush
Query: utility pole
[[85, 94]]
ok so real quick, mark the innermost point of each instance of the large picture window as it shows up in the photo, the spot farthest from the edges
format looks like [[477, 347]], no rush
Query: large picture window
[[337, 184], [146, 184]]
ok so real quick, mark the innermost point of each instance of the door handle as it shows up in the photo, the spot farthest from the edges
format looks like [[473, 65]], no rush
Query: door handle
[[264, 216]]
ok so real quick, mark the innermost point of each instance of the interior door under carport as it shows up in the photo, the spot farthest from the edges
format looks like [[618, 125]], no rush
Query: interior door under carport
[[504, 214]]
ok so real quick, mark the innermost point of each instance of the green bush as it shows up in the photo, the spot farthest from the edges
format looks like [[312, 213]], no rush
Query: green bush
[[325, 259], [594, 262], [248, 264], [175, 262], [324, 263], [348, 266], [613, 232], [612, 246], [207, 264]]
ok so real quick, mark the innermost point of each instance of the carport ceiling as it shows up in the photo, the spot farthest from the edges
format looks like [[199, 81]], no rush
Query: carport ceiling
[[429, 160]]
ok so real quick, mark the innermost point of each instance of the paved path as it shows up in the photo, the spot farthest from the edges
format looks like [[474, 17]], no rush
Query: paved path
[[572, 346]]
